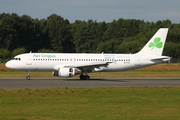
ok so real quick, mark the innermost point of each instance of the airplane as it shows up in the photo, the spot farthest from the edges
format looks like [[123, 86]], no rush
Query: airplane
[[71, 64]]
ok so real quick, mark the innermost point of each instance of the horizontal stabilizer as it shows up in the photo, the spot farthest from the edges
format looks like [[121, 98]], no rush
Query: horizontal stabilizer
[[164, 58]]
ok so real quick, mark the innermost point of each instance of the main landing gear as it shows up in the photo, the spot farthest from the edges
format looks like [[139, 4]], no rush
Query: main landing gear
[[28, 77], [84, 77]]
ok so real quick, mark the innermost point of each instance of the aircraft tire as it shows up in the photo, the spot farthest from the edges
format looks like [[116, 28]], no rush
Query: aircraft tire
[[87, 77], [28, 78], [84, 77]]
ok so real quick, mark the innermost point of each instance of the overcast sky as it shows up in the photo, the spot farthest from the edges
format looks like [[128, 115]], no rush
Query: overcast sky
[[99, 10]]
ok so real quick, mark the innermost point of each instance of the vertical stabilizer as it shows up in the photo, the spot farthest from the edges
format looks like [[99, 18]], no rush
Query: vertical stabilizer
[[156, 44]]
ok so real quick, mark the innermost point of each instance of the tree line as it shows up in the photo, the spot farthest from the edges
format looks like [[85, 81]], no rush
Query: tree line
[[19, 34]]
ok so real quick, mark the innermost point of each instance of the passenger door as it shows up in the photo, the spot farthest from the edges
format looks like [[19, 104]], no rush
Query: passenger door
[[29, 59]]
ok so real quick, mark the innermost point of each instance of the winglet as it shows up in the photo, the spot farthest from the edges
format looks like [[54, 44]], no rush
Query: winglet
[[156, 44]]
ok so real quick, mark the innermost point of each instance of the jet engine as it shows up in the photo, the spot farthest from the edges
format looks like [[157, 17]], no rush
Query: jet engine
[[65, 72]]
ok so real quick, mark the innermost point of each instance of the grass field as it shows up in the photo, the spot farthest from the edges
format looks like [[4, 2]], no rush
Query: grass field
[[128, 103], [123, 103]]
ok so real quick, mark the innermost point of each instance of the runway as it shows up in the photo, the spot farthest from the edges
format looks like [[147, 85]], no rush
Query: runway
[[76, 83]]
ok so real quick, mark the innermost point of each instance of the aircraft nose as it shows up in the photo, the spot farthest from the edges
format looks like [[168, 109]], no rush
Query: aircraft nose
[[9, 64]]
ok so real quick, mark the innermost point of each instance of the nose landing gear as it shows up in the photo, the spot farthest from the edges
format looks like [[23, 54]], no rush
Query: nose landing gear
[[28, 77]]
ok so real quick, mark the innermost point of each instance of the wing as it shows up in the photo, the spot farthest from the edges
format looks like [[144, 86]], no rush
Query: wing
[[89, 67]]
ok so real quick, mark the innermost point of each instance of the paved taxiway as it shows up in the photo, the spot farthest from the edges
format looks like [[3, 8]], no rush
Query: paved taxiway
[[76, 83]]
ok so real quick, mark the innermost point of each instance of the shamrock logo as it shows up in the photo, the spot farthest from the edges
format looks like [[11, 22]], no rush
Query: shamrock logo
[[157, 43]]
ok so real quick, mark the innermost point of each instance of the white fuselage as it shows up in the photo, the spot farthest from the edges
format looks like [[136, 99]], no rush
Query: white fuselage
[[47, 61]]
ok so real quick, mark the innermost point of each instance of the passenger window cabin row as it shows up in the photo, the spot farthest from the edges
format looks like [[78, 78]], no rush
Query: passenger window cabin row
[[82, 60]]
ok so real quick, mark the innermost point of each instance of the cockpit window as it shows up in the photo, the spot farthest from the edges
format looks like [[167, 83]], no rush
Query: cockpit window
[[16, 59]]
